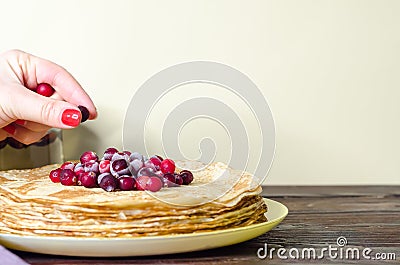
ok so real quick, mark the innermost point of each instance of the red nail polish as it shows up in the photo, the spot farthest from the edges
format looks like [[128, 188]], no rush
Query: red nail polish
[[20, 122], [9, 129], [71, 117]]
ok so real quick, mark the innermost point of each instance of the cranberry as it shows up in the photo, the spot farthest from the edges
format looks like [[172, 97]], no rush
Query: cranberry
[[167, 166], [135, 166], [101, 176], [108, 183], [108, 154], [55, 175], [141, 182], [186, 176], [119, 167], [15, 144], [88, 179], [178, 180], [89, 156], [3, 143], [154, 184], [79, 169], [160, 157], [128, 153], [45, 90], [146, 171], [68, 165], [85, 113], [67, 177], [169, 180], [104, 166], [91, 167], [136, 155], [120, 155], [127, 183], [156, 161]]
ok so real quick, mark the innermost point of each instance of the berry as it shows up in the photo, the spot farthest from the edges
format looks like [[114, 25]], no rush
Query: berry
[[119, 167], [146, 171], [3, 143], [127, 183], [15, 144], [88, 179], [186, 176], [169, 180], [108, 183], [167, 166], [104, 166], [128, 153], [135, 166], [55, 175], [85, 113], [136, 155], [101, 176], [78, 170], [154, 184], [141, 182], [91, 167], [45, 90], [160, 157], [68, 165], [178, 180], [150, 164], [89, 156], [120, 155], [156, 161], [67, 177], [108, 154]]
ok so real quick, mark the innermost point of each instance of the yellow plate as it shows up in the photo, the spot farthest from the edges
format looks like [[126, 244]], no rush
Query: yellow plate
[[144, 246]]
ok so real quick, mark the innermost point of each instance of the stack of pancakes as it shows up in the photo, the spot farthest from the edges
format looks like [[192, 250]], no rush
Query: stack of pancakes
[[218, 198]]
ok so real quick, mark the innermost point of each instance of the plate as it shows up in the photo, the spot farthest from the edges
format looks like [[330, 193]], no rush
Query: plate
[[145, 246]]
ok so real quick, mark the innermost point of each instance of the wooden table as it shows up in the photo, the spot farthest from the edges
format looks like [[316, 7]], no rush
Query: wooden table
[[368, 217]]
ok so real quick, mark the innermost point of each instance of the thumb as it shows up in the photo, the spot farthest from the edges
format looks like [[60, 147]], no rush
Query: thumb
[[47, 111]]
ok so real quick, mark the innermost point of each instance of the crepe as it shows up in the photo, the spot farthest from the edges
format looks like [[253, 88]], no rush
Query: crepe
[[218, 198]]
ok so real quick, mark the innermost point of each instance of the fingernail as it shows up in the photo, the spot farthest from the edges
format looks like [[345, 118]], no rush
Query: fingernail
[[71, 117], [9, 129], [20, 122]]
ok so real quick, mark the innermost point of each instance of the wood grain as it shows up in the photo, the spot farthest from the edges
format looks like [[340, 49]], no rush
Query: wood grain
[[367, 216]]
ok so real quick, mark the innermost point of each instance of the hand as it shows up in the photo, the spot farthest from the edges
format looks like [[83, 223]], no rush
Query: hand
[[25, 115]]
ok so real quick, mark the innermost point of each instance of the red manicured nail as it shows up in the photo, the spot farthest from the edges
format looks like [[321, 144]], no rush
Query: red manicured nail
[[20, 122], [9, 129], [71, 117]]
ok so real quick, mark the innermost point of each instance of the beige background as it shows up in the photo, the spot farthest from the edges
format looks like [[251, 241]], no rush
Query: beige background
[[330, 71]]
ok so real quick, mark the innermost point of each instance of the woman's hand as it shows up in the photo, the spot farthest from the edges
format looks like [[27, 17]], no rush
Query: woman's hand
[[25, 115]]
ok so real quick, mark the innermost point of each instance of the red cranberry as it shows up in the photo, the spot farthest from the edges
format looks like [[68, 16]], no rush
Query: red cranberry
[[120, 155], [160, 157], [55, 175], [91, 167], [141, 182], [186, 176], [127, 183], [79, 169], [169, 180], [119, 167], [101, 176], [89, 156], [109, 183], [178, 180], [67, 177], [108, 154], [156, 161], [150, 164], [85, 113], [45, 90], [88, 179], [68, 165], [128, 153], [154, 184], [167, 166], [104, 166]]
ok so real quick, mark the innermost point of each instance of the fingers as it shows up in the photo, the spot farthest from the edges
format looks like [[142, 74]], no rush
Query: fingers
[[64, 83], [33, 126], [22, 134], [3, 135]]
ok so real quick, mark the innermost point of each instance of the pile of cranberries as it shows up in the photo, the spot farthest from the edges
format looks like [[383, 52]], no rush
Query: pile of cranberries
[[121, 171]]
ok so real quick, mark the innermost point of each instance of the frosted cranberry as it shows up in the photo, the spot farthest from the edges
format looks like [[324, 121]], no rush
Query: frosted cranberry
[[128, 153], [45, 90], [101, 176], [91, 167], [150, 164], [68, 178], [79, 169], [119, 167], [108, 183], [89, 156], [68, 165], [156, 161], [154, 184], [169, 180], [178, 180], [55, 175], [85, 113], [167, 166], [127, 183], [146, 171], [120, 155], [141, 182], [104, 166], [136, 155], [88, 179], [135, 166], [186, 176], [108, 154]]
